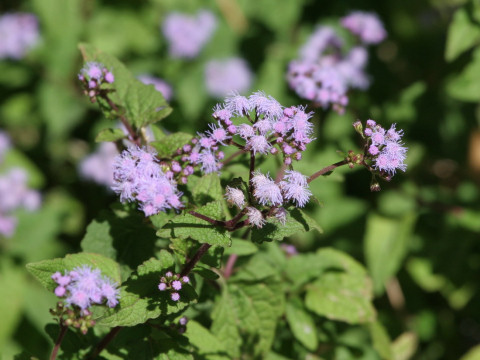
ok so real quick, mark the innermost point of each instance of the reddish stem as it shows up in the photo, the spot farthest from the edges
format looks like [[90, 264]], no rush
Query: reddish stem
[[193, 261], [326, 170], [229, 266], [104, 342], [132, 134], [61, 335]]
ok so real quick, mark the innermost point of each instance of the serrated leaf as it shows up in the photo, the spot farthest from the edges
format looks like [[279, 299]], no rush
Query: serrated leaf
[[168, 145], [251, 310], [381, 340], [463, 34], [207, 188], [386, 238], [341, 296], [205, 342], [297, 221], [188, 226], [139, 103], [110, 135], [302, 326], [140, 299], [43, 270]]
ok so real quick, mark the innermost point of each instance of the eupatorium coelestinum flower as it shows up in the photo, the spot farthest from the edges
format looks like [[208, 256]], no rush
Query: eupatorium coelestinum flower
[[18, 34], [295, 188], [366, 25], [98, 166], [95, 73], [255, 217], [384, 148], [173, 283], [138, 177], [187, 34], [83, 287], [235, 196], [224, 76]]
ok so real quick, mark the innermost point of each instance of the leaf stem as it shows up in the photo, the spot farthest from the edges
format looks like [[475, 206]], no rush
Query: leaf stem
[[104, 342], [193, 261], [61, 335], [207, 219], [233, 156], [326, 170], [229, 266], [132, 134]]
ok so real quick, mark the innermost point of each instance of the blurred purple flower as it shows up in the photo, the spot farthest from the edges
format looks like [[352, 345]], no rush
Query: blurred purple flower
[[366, 25], [187, 34], [98, 166], [223, 77], [18, 34]]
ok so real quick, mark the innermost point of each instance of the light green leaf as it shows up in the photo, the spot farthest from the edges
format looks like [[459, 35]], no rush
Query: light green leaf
[[341, 296], [168, 145], [189, 226], [241, 247], [302, 326], [466, 85], [386, 245], [381, 340], [110, 135], [462, 35], [205, 342], [297, 221], [206, 188], [140, 299], [141, 104], [43, 270], [405, 346]]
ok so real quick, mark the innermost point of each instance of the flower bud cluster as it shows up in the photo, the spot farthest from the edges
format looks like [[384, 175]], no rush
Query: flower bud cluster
[[173, 283], [139, 177], [83, 287], [93, 75], [80, 319], [325, 71], [19, 33], [384, 148], [14, 192]]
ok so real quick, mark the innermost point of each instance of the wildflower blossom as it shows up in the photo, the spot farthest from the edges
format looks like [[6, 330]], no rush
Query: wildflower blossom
[[367, 26], [223, 77], [187, 34], [235, 196], [98, 166], [266, 191], [255, 217], [295, 188], [19, 33], [173, 283]]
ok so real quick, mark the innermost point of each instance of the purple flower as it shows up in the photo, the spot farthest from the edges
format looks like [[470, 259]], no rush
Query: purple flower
[[162, 286], [19, 34], [255, 217], [235, 196], [5, 144], [295, 188], [175, 296], [367, 26], [160, 85], [237, 104], [266, 191], [187, 34], [223, 77], [265, 105], [177, 285], [258, 143], [95, 73], [99, 165]]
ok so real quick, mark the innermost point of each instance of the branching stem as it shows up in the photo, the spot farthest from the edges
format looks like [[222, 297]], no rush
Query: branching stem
[[61, 335], [193, 261], [105, 341], [326, 170]]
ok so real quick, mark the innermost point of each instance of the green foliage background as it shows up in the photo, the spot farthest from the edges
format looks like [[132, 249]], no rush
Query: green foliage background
[[418, 239]]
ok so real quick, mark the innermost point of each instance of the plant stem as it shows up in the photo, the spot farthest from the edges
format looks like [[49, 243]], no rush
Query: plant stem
[[326, 170], [233, 156], [132, 134], [229, 266], [104, 342], [207, 219], [193, 261], [63, 331]]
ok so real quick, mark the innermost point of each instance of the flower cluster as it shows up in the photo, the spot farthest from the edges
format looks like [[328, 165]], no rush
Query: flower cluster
[[139, 177], [173, 283], [384, 148], [98, 167], [222, 77], [83, 287], [187, 34], [15, 194], [19, 33], [325, 70], [160, 85], [92, 75], [367, 26]]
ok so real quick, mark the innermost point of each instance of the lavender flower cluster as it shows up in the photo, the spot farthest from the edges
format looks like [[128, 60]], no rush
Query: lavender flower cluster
[[173, 283], [92, 75], [385, 148], [98, 166], [19, 33], [223, 77], [325, 71], [14, 193], [84, 287], [187, 34], [139, 177]]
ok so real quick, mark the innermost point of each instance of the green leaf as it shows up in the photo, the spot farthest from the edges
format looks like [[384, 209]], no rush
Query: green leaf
[[381, 340], [405, 346], [43, 270], [302, 326], [251, 310], [466, 85], [141, 104], [386, 239], [241, 247], [110, 135], [206, 188], [125, 239], [463, 34], [205, 342], [297, 221], [168, 145], [188, 226], [140, 299], [341, 296]]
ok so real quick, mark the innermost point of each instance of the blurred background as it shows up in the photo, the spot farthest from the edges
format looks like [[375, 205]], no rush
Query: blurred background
[[419, 237]]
